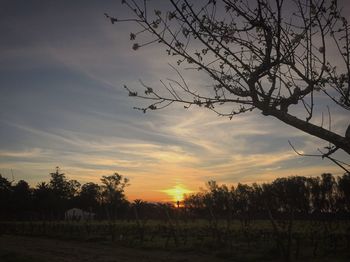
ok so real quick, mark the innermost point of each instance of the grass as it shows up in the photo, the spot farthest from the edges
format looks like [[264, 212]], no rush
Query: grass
[[10, 256]]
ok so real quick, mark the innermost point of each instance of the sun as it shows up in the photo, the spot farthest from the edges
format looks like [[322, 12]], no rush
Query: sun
[[177, 192]]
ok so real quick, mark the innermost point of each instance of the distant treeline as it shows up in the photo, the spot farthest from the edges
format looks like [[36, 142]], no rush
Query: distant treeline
[[297, 195], [49, 201]]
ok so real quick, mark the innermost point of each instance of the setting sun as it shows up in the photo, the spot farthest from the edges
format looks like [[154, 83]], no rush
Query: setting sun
[[177, 192]]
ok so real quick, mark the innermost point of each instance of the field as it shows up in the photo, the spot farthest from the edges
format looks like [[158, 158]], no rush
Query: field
[[30, 249], [160, 240]]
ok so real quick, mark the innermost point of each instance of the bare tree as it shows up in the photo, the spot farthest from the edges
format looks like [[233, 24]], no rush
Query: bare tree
[[279, 57]]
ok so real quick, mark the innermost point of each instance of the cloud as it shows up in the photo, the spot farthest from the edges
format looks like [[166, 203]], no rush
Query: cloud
[[34, 152]]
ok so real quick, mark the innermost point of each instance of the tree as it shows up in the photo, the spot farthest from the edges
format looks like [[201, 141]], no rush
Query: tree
[[328, 186], [277, 57], [63, 188], [22, 199], [293, 194], [5, 196], [58, 183], [344, 191], [90, 195], [113, 193], [44, 200], [64, 191]]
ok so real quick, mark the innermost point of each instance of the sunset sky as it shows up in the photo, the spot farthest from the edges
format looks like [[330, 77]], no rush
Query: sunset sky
[[62, 103]]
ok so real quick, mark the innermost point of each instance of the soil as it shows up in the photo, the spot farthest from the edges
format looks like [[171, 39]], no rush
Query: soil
[[28, 249]]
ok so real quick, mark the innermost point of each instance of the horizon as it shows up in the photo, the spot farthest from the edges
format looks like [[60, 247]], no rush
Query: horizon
[[167, 195]]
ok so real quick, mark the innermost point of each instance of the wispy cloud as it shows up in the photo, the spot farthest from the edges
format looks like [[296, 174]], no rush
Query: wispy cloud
[[34, 152]]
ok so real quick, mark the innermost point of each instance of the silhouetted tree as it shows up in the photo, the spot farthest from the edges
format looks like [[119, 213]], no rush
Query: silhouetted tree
[[5, 197], [292, 193], [43, 198], [195, 205], [22, 200], [328, 192], [113, 193], [276, 57], [344, 192], [59, 185], [63, 191], [90, 196]]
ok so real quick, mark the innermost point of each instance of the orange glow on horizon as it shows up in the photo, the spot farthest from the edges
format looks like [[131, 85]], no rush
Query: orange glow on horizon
[[177, 192]]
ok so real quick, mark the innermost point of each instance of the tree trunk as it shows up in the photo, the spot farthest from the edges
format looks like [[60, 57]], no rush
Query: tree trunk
[[329, 136]]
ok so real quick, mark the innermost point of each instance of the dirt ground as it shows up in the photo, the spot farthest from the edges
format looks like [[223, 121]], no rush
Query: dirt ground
[[28, 249]]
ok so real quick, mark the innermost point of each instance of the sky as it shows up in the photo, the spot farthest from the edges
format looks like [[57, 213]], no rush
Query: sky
[[62, 103]]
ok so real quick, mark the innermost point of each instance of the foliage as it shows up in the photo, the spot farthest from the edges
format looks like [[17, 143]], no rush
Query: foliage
[[90, 196], [297, 194], [113, 193], [49, 201]]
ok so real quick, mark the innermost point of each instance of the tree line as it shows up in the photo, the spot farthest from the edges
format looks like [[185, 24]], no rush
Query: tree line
[[49, 201], [296, 195]]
